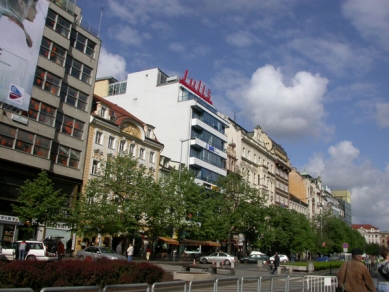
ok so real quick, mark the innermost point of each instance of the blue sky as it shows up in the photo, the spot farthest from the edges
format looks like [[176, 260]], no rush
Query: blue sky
[[312, 74]]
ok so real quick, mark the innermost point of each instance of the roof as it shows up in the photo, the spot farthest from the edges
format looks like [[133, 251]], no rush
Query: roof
[[118, 114], [364, 226]]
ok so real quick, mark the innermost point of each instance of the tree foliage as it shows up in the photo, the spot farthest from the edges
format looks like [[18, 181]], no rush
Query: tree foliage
[[113, 202], [39, 203]]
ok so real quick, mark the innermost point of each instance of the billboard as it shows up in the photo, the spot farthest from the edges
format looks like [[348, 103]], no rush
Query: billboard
[[21, 29]]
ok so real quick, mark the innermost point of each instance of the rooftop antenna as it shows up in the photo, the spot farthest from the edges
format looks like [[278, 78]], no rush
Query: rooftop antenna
[[235, 111], [101, 17]]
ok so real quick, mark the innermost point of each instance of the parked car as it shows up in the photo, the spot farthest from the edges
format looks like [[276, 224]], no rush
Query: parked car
[[323, 258], [283, 258], [99, 252], [256, 252], [220, 257], [255, 258], [35, 250]]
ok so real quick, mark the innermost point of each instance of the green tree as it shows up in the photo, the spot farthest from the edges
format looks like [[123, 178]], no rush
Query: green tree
[[373, 249], [286, 231], [238, 208], [40, 204], [114, 201], [174, 206]]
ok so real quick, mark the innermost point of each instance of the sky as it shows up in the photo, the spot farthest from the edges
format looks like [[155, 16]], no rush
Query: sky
[[313, 74]]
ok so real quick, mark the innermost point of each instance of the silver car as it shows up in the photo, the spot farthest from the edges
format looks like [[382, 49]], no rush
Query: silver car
[[220, 257], [99, 252]]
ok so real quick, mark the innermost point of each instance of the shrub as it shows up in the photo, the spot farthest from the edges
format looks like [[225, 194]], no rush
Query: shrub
[[37, 275]]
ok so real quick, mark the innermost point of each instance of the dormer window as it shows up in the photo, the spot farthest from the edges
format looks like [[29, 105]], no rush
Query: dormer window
[[149, 133], [103, 111]]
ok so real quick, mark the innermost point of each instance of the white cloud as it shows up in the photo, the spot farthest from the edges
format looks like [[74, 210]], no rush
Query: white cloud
[[383, 115], [336, 56], [345, 169], [289, 111], [127, 35], [370, 18], [111, 65], [189, 50], [241, 39], [140, 11]]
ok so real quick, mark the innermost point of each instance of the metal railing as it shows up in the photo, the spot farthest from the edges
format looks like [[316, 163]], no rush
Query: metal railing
[[231, 284]]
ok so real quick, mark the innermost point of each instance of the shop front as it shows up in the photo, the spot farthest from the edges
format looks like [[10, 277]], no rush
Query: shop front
[[8, 228]]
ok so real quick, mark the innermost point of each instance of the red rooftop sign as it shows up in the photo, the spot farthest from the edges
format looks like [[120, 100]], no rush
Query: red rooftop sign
[[196, 87]]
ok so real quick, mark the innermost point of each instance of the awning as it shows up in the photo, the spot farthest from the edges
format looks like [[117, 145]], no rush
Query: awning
[[199, 242], [168, 240]]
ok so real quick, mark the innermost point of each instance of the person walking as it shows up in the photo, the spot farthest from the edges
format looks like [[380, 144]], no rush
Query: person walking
[[119, 247], [383, 273], [353, 275], [130, 252], [69, 247], [276, 263], [22, 250], [60, 250], [148, 253]]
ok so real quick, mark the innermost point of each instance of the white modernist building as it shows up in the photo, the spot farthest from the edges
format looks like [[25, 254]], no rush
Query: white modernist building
[[181, 109]]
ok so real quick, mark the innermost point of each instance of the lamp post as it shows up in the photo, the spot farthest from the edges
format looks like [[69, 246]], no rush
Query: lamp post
[[180, 168]]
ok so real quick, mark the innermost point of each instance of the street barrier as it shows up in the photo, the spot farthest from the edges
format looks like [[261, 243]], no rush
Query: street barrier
[[263, 283]]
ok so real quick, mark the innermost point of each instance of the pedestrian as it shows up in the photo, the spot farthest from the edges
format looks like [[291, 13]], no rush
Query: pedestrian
[[22, 250], [69, 247], [276, 263], [130, 252], [353, 275], [383, 273], [148, 253], [119, 247], [60, 250]]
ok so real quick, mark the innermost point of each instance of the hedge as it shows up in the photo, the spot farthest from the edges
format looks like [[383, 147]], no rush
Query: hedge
[[38, 275]]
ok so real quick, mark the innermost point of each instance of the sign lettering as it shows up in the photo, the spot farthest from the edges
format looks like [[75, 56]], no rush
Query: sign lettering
[[196, 87]]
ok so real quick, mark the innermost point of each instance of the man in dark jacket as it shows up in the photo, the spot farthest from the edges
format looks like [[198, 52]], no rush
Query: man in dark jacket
[[354, 276], [276, 263]]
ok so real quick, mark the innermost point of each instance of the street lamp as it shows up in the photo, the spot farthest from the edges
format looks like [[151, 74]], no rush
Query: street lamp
[[182, 141]]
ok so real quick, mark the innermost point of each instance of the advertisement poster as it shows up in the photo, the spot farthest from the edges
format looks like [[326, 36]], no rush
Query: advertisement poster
[[21, 29]]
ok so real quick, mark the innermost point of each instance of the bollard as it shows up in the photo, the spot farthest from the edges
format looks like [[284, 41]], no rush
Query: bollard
[[290, 269], [217, 264], [259, 263], [232, 265], [278, 270]]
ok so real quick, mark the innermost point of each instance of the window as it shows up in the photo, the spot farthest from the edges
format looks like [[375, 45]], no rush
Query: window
[[78, 70], [73, 97], [52, 51], [142, 153], [82, 43], [41, 112], [99, 138], [64, 155], [103, 111], [111, 142], [58, 23], [47, 81], [152, 157], [132, 150], [117, 88], [148, 133], [96, 167], [122, 146], [24, 141], [69, 126]]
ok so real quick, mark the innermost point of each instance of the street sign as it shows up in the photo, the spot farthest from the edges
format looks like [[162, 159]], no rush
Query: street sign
[[345, 245]]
